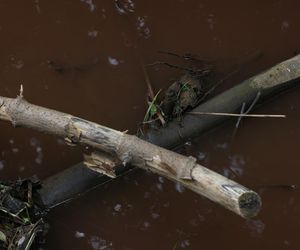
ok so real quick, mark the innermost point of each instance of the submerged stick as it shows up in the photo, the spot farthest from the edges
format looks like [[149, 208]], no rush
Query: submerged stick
[[130, 149], [280, 77], [61, 188]]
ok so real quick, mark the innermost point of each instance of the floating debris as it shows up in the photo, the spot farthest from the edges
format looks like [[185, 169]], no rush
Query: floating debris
[[184, 94], [142, 28]]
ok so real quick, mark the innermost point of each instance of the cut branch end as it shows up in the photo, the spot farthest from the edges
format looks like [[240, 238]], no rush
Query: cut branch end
[[249, 204]]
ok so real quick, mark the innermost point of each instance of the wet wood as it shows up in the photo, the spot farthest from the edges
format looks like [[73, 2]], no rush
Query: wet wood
[[70, 184], [78, 179], [129, 149]]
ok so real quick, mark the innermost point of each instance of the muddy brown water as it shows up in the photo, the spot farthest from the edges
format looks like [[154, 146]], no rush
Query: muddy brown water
[[84, 57]]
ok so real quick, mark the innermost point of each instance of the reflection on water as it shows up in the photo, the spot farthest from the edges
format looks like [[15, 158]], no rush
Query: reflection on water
[[98, 243], [256, 227], [179, 188], [235, 167], [36, 144], [90, 4]]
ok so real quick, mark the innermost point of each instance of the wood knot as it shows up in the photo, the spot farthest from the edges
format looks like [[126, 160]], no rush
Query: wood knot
[[186, 172], [73, 134]]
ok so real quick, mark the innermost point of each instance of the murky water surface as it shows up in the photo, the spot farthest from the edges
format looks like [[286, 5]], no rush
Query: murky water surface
[[85, 57]]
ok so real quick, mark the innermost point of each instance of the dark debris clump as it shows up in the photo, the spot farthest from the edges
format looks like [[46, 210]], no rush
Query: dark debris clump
[[197, 81], [21, 219]]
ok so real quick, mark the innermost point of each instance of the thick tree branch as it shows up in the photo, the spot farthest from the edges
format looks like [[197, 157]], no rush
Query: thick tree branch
[[130, 149]]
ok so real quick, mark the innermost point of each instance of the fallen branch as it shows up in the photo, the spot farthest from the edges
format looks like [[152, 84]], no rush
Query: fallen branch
[[76, 180], [130, 149]]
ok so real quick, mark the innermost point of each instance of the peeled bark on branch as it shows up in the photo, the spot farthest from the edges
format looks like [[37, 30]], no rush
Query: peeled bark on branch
[[130, 149]]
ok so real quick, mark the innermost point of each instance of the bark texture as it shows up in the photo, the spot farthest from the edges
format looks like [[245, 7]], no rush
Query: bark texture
[[78, 179], [132, 150]]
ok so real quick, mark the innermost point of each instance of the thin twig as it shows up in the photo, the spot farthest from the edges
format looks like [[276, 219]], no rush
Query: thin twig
[[148, 82], [151, 95], [242, 114], [203, 71], [218, 83], [92, 188], [150, 121], [247, 111], [237, 115], [240, 118], [237, 126], [167, 64], [185, 56], [147, 115], [254, 102], [238, 69], [21, 91]]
